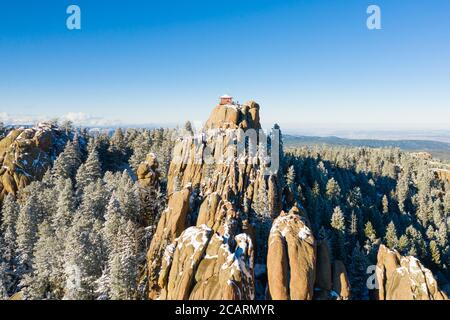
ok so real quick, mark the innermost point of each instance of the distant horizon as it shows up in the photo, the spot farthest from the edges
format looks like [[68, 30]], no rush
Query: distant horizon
[[346, 131]]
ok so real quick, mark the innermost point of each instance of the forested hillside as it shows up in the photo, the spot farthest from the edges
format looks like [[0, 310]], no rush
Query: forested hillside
[[358, 198], [82, 231]]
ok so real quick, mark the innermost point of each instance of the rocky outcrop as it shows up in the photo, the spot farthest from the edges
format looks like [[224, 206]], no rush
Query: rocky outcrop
[[341, 283], [172, 223], [202, 265], [210, 260], [26, 154], [443, 174], [234, 117], [205, 248], [404, 278], [291, 263], [324, 280], [148, 173]]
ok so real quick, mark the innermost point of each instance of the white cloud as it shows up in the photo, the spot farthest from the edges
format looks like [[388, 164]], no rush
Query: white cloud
[[83, 119], [78, 118], [20, 119]]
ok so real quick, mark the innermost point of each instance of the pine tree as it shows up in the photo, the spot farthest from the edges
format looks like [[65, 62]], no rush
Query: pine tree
[[124, 264], [128, 196], [84, 258], [403, 244], [68, 162], [141, 147], [261, 205], [402, 191], [113, 218], [103, 285], [117, 150], [26, 230], [338, 224], [89, 171], [117, 141], [446, 201], [41, 284], [437, 212], [290, 183], [435, 253], [430, 232], [65, 206], [4, 280], [188, 128], [337, 220], [94, 200], [357, 274], [443, 235], [10, 213], [417, 243], [333, 190], [290, 177], [369, 231], [385, 205], [354, 225], [391, 236]]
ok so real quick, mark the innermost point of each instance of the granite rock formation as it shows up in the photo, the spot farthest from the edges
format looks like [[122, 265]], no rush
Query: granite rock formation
[[404, 278], [26, 154]]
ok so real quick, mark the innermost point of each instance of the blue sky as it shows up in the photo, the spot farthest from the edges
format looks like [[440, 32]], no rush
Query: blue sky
[[307, 62]]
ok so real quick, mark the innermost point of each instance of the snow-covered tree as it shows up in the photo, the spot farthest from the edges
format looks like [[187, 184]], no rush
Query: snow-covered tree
[[89, 171], [95, 199], [84, 258], [10, 212], [391, 236], [62, 218], [113, 219], [43, 282], [338, 240], [26, 230], [68, 162], [435, 253], [123, 263], [369, 231], [333, 190]]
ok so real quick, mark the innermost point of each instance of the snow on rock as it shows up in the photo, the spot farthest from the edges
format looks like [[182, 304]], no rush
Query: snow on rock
[[404, 278], [172, 223], [26, 154], [291, 259], [177, 272], [148, 172], [229, 275]]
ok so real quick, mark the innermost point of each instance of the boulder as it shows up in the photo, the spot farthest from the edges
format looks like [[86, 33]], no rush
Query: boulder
[[148, 173]]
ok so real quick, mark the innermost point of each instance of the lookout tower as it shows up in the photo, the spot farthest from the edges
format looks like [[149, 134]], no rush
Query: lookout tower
[[226, 99]]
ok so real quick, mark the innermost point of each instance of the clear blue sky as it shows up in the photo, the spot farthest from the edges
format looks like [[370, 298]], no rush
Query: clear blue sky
[[307, 62]]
